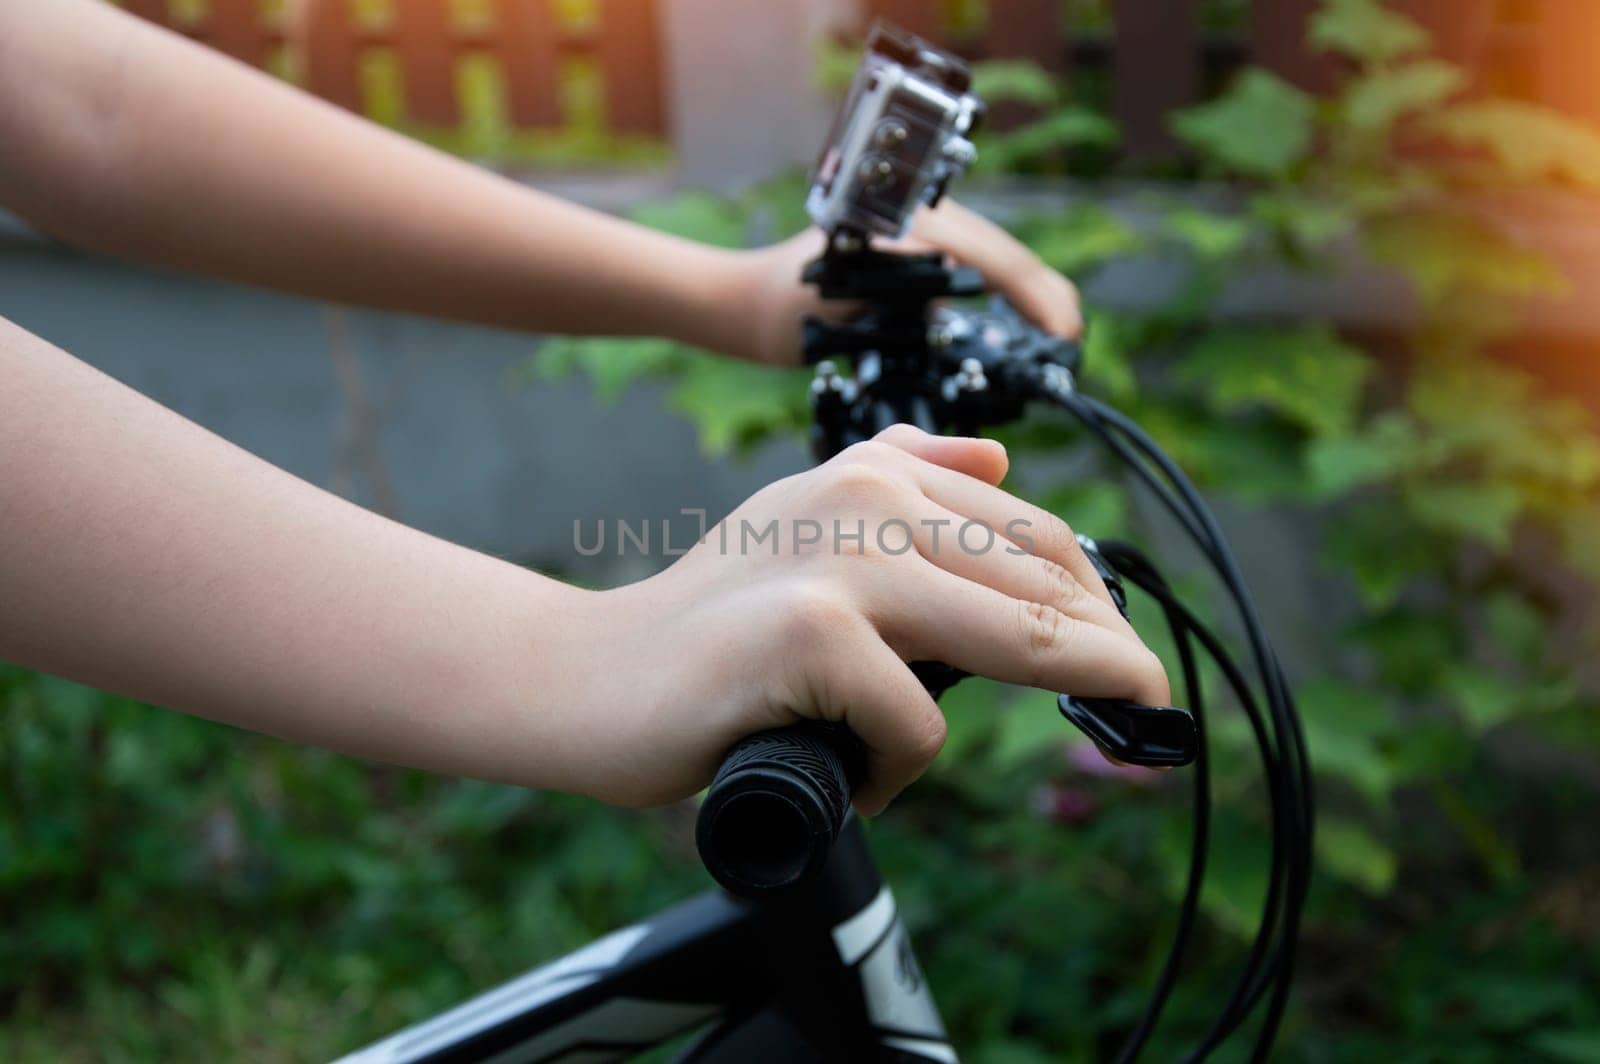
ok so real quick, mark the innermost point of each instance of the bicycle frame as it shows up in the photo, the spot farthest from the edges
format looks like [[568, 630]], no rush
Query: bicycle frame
[[825, 974]]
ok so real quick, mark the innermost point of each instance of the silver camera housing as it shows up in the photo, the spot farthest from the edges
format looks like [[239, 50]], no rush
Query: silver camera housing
[[899, 139]]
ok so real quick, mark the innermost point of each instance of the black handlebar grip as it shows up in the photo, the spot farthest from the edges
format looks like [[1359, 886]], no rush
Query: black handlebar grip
[[776, 806]]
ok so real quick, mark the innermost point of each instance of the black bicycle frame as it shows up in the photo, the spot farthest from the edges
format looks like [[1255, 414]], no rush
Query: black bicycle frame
[[824, 974]]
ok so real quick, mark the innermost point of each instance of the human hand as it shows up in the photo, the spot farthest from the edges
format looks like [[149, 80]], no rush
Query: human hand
[[773, 300], [743, 634]]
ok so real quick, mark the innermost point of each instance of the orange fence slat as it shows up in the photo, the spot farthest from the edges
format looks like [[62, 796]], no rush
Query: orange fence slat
[[1278, 43], [324, 39], [526, 47], [1157, 70], [1568, 74], [629, 51], [1460, 28], [917, 16], [152, 10], [1034, 30], [1028, 29], [235, 28], [424, 39]]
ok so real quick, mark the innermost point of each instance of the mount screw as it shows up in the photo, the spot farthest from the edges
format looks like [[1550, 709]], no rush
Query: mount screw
[[970, 377]]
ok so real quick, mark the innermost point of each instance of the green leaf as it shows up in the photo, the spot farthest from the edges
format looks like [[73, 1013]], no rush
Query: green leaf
[[701, 216], [1076, 240], [1211, 236], [1579, 529], [1064, 127], [1484, 512], [1433, 749], [1572, 1045], [1410, 646], [1381, 550], [611, 363], [1305, 221], [836, 64], [1261, 127], [1518, 627], [1530, 142], [1449, 253], [1484, 698], [1514, 1001], [1107, 356], [1340, 463], [1376, 100], [972, 714], [1013, 80], [1365, 31], [1349, 851], [1255, 459], [1030, 725], [1307, 375], [1346, 728], [1236, 875], [737, 405]]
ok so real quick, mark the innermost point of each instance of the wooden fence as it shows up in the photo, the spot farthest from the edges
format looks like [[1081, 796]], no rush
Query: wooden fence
[[323, 42], [1157, 57]]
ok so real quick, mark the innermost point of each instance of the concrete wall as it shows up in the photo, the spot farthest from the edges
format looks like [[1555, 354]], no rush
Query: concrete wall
[[744, 99], [418, 419]]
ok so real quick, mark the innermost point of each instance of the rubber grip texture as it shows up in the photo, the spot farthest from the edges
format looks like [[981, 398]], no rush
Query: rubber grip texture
[[776, 806]]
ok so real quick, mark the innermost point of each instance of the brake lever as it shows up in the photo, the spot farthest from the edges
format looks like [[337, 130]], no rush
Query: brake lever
[[1152, 736]]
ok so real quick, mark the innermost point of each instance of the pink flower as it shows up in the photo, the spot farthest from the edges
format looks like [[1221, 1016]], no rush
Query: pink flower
[[1087, 759], [1066, 805]]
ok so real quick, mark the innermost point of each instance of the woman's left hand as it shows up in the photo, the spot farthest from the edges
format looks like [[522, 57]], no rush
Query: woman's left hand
[[775, 300]]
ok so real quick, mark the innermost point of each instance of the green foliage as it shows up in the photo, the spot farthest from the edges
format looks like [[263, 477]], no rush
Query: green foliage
[[1377, 99], [1366, 30], [1014, 81], [179, 890], [1527, 143], [1046, 137], [1308, 376], [1262, 127]]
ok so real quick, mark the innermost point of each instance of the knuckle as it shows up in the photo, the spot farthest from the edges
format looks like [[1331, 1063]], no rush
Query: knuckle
[[929, 737], [894, 435], [1059, 539], [869, 452], [1060, 586], [1046, 630], [859, 484]]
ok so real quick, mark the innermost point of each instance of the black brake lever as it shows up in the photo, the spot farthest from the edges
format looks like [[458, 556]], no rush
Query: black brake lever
[[1153, 736]]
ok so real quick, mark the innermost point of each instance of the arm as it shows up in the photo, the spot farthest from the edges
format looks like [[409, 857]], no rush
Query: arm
[[125, 138], [142, 554]]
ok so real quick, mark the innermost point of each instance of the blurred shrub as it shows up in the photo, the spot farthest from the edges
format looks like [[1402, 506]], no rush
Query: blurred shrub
[[175, 889]]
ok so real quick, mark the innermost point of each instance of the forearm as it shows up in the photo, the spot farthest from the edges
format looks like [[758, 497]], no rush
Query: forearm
[[141, 554], [127, 139]]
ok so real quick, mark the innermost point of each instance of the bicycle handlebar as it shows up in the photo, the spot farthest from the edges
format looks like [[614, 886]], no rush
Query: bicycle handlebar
[[776, 806]]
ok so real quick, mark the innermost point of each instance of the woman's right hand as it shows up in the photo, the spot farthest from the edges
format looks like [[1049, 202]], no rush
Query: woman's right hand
[[751, 630]]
